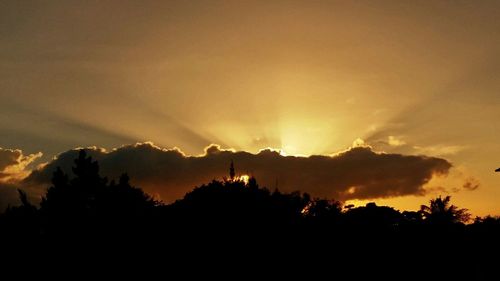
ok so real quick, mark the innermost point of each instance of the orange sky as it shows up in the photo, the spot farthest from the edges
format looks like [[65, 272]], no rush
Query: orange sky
[[306, 77]]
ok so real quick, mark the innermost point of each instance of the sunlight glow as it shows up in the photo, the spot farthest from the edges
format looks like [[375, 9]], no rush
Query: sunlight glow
[[244, 178], [241, 178], [300, 134], [306, 209]]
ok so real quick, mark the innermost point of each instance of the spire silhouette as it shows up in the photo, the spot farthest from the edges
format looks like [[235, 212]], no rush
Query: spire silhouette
[[232, 174]]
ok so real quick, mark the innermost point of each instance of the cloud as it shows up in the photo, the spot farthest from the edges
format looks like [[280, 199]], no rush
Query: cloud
[[358, 143], [459, 179], [440, 150], [394, 141], [397, 144], [471, 183], [437, 190], [356, 173], [13, 165]]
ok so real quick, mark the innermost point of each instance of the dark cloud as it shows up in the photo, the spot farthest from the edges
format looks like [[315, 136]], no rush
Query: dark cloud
[[358, 172], [471, 183], [8, 157], [438, 190]]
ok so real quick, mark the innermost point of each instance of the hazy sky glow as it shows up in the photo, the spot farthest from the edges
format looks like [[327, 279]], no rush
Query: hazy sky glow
[[306, 77]]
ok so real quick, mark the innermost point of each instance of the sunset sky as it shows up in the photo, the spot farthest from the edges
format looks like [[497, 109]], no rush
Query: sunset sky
[[369, 78]]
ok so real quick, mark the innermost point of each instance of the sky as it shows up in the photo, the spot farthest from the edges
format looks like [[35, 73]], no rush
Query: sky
[[402, 78]]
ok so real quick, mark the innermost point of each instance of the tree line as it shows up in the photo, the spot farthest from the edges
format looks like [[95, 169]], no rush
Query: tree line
[[224, 213]]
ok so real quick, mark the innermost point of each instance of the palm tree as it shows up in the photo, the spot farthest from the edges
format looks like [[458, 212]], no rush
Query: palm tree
[[440, 211]]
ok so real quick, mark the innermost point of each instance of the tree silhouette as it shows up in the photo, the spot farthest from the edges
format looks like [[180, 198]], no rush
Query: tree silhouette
[[22, 221], [73, 202], [231, 216], [88, 203], [124, 200], [323, 209], [252, 183], [440, 211], [373, 216]]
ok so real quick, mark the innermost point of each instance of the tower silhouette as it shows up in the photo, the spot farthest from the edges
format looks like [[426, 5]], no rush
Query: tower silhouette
[[232, 174]]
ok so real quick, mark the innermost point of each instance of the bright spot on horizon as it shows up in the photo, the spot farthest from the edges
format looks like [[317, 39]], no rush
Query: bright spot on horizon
[[241, 178], [244, 178]]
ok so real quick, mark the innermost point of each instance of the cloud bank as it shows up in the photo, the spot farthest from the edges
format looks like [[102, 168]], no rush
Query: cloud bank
[[356, 173]]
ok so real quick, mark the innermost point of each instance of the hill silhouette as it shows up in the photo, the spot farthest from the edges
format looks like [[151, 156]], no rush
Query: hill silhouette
[[233, 217]]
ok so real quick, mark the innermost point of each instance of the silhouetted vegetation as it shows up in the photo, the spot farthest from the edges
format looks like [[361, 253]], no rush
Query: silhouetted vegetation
[[244, 217], [441, 212]]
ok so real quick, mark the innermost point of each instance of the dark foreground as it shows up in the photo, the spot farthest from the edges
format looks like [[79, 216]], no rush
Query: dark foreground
[[231, 226]]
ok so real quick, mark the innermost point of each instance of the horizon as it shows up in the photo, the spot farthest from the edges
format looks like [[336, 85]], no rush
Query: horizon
[[39, 177]]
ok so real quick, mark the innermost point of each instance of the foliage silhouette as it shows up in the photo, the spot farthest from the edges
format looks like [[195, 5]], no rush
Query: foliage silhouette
[[87, 203], [441, 212], [231, 217]]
